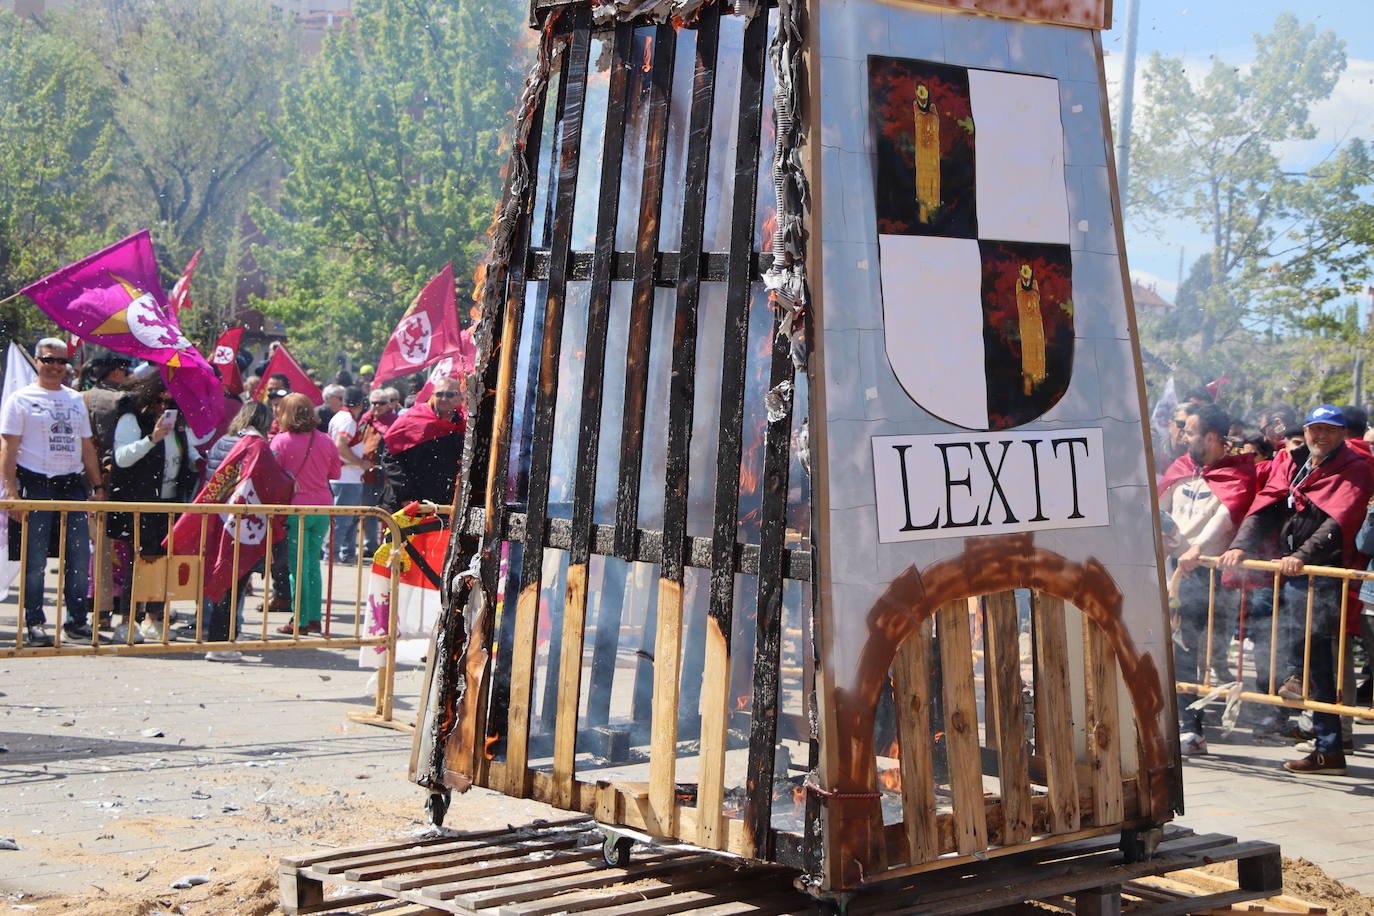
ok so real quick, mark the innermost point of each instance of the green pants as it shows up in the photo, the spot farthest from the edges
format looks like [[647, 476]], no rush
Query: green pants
[[306, 589]]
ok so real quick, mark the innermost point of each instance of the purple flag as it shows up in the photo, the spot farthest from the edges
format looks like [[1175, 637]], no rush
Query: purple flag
[[114, 298]]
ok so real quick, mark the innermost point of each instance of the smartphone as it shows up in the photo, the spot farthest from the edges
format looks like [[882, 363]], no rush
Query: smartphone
[[171, 413]]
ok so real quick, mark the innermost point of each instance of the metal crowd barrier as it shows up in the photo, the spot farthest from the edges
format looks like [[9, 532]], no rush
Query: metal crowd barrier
[[179, 579], [1219, 632]]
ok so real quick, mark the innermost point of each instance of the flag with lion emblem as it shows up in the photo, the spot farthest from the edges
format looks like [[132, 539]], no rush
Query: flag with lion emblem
[[427, 333]]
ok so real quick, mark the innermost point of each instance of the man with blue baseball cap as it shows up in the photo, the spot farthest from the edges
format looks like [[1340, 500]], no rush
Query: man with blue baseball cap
[[1315, 499]]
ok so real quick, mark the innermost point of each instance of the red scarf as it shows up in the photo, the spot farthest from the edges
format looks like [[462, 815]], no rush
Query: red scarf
[[418, 425], [1231, 477], [1340, 486]]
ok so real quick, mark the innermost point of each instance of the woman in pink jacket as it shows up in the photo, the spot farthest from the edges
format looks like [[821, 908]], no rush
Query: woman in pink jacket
[[309, 456]]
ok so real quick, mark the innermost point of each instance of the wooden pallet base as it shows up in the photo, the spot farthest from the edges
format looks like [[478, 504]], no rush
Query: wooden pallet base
[[561, 867]]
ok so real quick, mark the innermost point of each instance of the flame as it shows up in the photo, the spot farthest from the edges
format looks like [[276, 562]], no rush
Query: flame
[[741, 702], [891, 779], [475, 313], [486, 751], [479, 277], [731, 812], [648, 55], [893, 751], [938, 736], [799, 795], [770, 229]]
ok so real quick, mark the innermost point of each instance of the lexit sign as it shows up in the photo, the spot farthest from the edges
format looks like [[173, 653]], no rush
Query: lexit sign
[[964, 484]]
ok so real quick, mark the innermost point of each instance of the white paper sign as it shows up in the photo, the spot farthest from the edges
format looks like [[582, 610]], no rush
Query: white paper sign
[[965, 484]]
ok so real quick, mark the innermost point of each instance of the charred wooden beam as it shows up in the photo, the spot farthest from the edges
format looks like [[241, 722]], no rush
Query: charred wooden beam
[[593, 378], [712, 266], [642, 294], [541, 456], [647, 545], [739, 292], [681, 393], [763, 727], [458, 679]]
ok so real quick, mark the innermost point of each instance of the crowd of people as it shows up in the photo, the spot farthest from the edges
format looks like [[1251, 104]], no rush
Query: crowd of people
[[1297, 493], [122, 438]]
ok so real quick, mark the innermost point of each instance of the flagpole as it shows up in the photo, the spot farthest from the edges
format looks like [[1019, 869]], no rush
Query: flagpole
[[8, 299]]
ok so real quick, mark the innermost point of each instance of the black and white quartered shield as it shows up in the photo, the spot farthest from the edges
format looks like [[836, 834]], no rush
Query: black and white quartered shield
[[973, 232]]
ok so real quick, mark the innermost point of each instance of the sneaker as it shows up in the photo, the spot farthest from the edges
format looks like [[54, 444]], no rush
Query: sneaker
[[1291, 689], [1315, 764], [37, 636], [229, 655], [1192, 744], [152, 630], [1310, 747], [121, 634], [76, 631]]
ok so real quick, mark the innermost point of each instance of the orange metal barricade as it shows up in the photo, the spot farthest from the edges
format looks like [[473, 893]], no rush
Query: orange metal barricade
[[178, 579], [1268, 692]]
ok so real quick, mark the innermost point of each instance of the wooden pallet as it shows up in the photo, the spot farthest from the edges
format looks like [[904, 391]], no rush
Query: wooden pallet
[[1190, 882], [560, 867]]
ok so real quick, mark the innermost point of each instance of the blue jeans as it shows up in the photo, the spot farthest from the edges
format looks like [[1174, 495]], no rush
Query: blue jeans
[[1190, 642], [346, 526], [372, 526], [1321, 672], [37, 530]]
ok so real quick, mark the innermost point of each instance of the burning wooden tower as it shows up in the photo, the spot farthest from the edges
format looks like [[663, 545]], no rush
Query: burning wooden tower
[[806, 512]]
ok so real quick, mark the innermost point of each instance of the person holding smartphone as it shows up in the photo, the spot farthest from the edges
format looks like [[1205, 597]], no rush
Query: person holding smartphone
[[153, 462]]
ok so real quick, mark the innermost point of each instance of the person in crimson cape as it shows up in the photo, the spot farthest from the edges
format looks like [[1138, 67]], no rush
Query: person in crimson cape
[[1206, 493], [423, 449], [248, 475], [1315, 498]]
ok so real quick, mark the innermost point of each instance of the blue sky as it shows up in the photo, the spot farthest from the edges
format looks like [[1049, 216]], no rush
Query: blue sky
[[1203, 30]]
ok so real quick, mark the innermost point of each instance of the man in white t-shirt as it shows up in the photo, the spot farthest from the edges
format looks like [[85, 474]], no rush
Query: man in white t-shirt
[[46, 452], [348, 489]]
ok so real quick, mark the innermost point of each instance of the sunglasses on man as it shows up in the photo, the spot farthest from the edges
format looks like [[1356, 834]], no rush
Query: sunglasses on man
[[446, 395], [53, 360], [278, 393]]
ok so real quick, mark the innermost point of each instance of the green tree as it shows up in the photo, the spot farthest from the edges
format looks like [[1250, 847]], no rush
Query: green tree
[[192, 82], [392, 148], [55, 150], [1205, 152]]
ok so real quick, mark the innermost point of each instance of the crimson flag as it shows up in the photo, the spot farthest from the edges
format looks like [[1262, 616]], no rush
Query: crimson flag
[[283, 363], [225, 359], [427, 333], [181, 292]]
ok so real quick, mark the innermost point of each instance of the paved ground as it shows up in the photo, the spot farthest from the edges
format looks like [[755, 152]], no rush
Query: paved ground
[[259, 758], [1240, 788]]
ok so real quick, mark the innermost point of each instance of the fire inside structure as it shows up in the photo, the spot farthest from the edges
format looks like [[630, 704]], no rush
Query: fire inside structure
[[806, 511]]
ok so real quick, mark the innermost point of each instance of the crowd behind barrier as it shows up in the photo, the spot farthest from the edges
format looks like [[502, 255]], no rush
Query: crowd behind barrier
[[1270, 539], [360, 606]]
